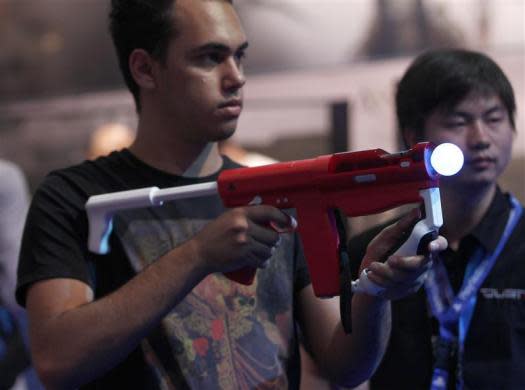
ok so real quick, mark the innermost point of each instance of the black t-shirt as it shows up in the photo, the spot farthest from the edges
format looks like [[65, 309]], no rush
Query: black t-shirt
[[221, 335], [495, 344]]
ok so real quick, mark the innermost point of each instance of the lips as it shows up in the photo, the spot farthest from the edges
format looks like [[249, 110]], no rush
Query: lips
[[230, 109], [481, 162]]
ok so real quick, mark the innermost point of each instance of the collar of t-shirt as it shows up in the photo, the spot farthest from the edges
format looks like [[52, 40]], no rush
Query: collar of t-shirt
[[143, 172], [486, 234]]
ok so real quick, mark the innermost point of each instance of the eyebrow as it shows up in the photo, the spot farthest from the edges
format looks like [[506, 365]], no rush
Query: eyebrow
[[491, 110], [495, 108], [216, 46]]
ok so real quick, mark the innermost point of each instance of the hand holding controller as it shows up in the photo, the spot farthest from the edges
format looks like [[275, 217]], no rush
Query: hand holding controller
[[425, 231]]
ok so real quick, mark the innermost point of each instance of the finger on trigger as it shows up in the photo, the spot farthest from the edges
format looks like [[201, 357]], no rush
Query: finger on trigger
[[438, 245], [284, 226]]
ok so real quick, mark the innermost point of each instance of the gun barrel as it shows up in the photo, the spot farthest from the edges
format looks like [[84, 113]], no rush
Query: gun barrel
[[373, 175], [184, 192]]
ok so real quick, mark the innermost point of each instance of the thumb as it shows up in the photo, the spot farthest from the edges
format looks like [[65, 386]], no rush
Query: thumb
[[272, 216]]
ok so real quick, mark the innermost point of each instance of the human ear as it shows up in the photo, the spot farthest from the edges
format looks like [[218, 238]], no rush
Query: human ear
[[141, 66]]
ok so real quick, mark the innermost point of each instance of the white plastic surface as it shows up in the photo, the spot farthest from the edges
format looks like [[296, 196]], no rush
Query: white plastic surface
[[101, 208], [432, 222]]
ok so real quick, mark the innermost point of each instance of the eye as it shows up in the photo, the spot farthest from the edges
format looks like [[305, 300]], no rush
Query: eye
[[455, 123], [212, 58], [494, 119], [240, 56]]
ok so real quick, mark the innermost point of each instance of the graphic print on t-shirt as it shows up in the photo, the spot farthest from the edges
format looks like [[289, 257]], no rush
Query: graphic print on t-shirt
[[222, 334]]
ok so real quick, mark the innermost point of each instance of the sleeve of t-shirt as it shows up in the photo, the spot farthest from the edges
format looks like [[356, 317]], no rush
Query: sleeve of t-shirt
[[54, 239]]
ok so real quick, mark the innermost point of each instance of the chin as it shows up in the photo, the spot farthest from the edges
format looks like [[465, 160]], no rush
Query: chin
[[478, 184], [471, 180], [224, 133]]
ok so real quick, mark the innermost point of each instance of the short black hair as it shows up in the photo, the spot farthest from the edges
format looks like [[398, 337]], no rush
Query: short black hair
[[141, 24], [440, 79], [144, 24]]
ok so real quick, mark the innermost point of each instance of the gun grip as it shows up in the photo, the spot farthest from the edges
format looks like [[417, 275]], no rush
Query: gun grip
[[244, 275], [320, 241]]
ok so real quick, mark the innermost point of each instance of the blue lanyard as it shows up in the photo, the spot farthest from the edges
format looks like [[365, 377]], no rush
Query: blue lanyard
[[457, 311]]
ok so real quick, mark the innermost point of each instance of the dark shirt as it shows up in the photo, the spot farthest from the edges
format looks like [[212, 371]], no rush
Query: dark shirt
[[221, 335], [495, 343]]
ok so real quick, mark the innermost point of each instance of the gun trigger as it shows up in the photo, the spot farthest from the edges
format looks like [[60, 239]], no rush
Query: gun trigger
[[422, 248], [290, 227]]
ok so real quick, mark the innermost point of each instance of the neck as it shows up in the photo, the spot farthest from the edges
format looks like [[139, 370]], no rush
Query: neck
[[166, 150], [463, 210]]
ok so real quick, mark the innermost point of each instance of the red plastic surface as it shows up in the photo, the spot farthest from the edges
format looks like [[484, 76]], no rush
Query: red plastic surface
[[358, 183]]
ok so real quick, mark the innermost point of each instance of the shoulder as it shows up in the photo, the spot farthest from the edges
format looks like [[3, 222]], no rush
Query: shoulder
[[63, 193], [67, 183], [90, 177], [9, 169], [514, 205], [14, 193], [519, 230], [228, 163], [12, 178]]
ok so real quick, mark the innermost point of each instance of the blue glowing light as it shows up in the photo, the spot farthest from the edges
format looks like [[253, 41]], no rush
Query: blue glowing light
[[447, 159]]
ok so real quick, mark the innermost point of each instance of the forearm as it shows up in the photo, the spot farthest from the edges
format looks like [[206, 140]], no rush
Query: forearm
[[82, 343], [347, 359], [353, 358]]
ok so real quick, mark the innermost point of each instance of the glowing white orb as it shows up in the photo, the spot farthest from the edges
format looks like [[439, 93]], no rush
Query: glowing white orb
[[447, 159]]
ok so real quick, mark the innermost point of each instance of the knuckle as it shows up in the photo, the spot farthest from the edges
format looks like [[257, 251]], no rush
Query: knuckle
[[239, 222], [241, 239]]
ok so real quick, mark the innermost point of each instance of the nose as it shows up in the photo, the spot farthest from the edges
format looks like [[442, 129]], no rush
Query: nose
[[234, 78], [478, 135]]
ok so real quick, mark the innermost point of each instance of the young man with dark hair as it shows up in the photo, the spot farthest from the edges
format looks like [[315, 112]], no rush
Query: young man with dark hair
[[470, 333], [157, 312]]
